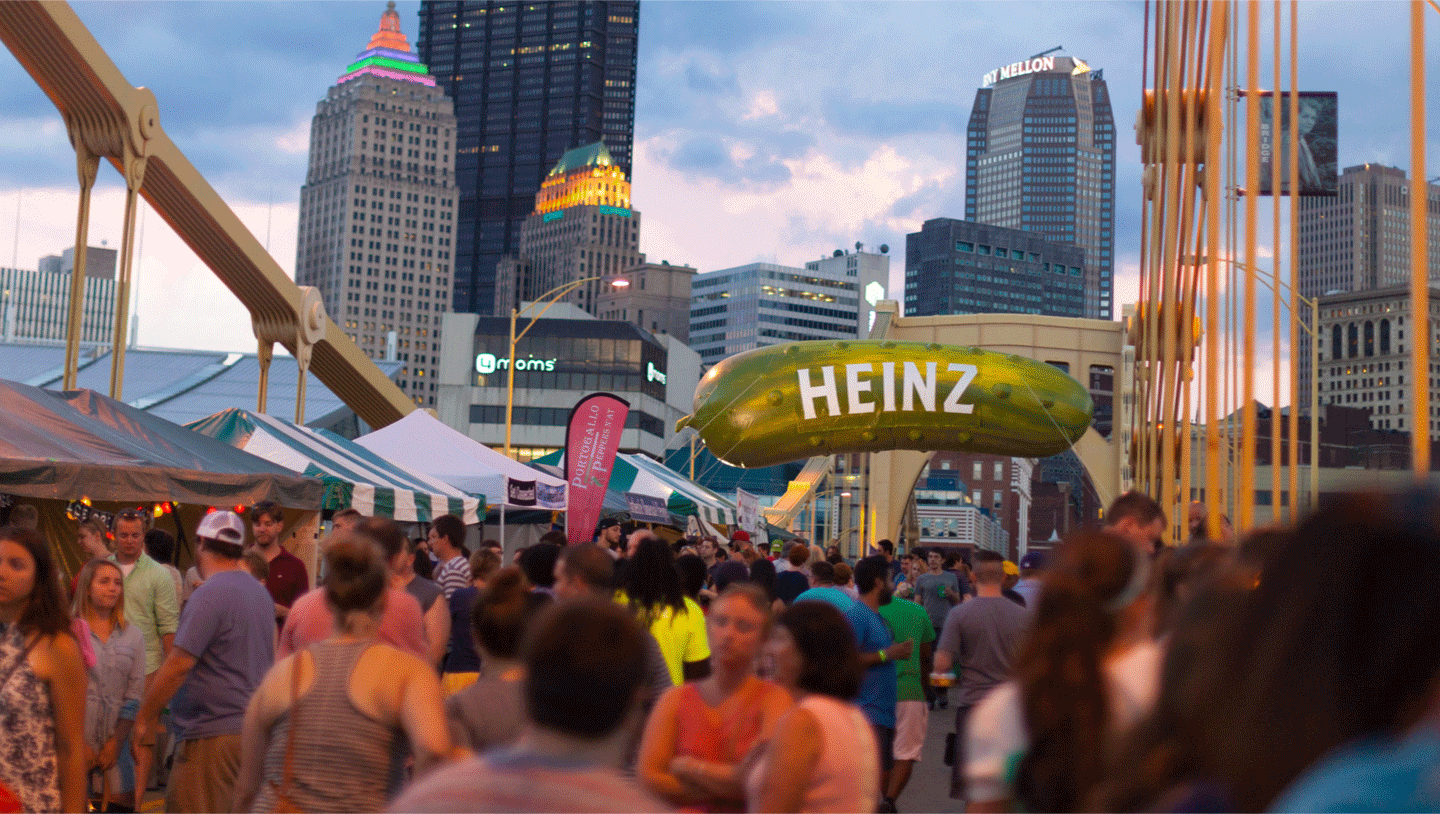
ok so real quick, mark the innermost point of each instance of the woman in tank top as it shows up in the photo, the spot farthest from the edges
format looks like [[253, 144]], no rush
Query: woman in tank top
[[699, 733], [823, 755], [42, 683], [116, 679], [353, 703]]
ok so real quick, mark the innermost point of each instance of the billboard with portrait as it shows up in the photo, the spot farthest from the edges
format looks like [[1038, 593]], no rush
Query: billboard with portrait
[[1316, 157]]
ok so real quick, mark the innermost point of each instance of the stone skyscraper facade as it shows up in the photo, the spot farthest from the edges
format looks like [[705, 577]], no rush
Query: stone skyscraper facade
[[377, 212], [582, 226], [1354, 241], [1359, 238]]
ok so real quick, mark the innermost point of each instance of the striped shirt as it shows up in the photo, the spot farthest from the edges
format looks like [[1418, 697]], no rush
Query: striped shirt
[[343, 759], [453, 575]]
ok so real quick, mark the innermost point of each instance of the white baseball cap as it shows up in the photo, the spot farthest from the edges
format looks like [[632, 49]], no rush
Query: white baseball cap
[[224, 527]]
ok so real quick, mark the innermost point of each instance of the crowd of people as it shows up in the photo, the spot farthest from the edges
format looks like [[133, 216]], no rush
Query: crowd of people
[[1111, 673]]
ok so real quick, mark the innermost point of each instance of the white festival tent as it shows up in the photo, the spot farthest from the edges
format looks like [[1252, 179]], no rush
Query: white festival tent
[[424, 443]]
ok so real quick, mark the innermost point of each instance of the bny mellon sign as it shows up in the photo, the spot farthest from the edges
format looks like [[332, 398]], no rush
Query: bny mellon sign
[[1035, 65]]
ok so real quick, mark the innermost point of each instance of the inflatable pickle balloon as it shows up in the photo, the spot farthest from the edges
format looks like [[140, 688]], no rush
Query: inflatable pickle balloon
[[788, 402]]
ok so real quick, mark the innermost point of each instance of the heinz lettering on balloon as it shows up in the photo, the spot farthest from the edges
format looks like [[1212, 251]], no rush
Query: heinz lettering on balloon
[[787, 402]]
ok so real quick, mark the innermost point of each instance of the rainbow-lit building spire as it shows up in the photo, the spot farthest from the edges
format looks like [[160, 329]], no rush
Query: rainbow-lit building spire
[[388, 55]]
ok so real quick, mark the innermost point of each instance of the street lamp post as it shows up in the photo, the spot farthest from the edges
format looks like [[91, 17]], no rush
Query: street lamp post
[[549, 298], [1270, 281], [1314, 331]]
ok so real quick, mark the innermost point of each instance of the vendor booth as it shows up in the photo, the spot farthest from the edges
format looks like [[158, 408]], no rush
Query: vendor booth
[[75, 453], [637, 476], [353, 476], [423, 443]]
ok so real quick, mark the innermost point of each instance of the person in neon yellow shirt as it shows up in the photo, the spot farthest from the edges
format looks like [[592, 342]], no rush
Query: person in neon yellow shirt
[[652, 590]]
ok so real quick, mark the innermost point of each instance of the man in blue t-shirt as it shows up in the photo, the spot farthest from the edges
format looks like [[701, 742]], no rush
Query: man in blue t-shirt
[[878, 652], [225, 645]]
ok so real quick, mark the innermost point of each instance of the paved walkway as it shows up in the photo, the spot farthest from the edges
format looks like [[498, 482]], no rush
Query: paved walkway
[[929, 789]]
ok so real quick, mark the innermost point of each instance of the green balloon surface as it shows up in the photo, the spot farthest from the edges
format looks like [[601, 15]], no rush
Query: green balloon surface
[[788, 402]]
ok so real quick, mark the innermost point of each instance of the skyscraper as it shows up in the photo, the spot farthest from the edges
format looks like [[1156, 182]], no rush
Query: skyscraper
[[960, 267], [529, 82], [1358, 240], [582, 226], [1041, 157], [377, 211]]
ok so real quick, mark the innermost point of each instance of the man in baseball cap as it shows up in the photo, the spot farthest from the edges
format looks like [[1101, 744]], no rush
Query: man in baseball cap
[[1029, 585], [225, 645], [608, 536], [223, 531]]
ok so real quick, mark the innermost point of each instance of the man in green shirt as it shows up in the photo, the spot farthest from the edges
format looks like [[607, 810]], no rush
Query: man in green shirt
[[908, 620], [150, 602]]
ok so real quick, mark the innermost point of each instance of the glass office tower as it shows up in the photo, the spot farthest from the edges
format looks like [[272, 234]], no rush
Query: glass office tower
[[529, 81], [1041, 157]]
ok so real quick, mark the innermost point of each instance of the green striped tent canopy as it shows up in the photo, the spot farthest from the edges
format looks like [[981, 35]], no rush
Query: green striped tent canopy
[[354, 477], [643, 476]]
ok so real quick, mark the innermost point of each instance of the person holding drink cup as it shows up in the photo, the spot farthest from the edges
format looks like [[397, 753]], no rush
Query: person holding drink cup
[[978, 643]]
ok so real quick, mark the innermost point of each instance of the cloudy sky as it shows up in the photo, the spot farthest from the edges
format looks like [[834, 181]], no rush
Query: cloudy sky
[[773, 131]]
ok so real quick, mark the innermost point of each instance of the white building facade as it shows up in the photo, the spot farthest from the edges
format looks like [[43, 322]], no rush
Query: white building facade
[[760, 304], [35, 304], [562, 358]]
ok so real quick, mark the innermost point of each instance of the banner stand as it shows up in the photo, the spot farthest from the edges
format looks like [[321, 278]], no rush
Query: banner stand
[[592, 437]]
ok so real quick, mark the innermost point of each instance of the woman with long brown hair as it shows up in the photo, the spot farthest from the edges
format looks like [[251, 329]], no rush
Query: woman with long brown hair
[[116, 679], [1041, 739], [652, 589], [42, 681], [1334, 660], [1167, 761], [94, 538], [490, 712]]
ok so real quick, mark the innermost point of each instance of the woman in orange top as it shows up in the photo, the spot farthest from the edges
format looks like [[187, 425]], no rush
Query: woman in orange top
[[700, 733]]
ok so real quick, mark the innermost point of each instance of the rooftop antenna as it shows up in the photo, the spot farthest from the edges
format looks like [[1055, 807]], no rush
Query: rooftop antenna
[[1051, 51]]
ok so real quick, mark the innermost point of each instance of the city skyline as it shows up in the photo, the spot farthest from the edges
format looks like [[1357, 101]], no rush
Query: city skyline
[[763, 132], [529, 84]]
